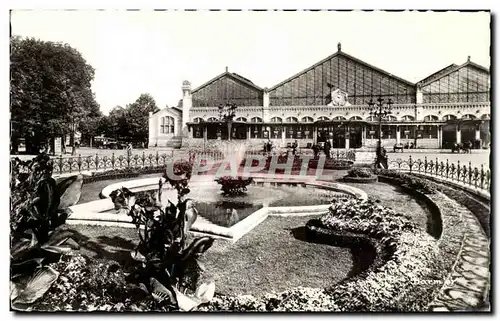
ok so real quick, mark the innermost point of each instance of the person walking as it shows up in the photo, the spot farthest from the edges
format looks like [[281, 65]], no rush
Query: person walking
[[327, 148], [129, 149], [294, 147], [315, 149]]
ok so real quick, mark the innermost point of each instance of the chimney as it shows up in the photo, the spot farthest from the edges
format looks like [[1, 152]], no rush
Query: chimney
[[227, 69], [339, 46]]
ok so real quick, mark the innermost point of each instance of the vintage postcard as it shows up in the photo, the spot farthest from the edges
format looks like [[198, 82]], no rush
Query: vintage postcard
[[244, 160]]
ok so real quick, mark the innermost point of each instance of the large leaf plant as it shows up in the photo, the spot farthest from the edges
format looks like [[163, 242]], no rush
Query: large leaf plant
[[167, 265], [38, 206]]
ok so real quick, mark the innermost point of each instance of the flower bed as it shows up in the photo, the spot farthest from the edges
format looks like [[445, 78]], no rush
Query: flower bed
[[122, 173], [360, 175], [234, 185], [415, 183], [331, 163]]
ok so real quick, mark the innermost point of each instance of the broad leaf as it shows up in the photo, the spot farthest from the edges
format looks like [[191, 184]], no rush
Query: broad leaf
[[161, 293], [48, 201], [191, 215], [70, 190], [198, 246], [23, 246], [185, 302], [36, 287], [136, 255], [205, 292], [14, 291], [56, 249]]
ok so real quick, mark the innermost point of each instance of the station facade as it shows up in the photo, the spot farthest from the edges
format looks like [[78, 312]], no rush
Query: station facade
[[328, 101]]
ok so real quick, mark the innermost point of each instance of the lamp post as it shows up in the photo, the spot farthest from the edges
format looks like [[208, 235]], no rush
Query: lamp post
[[380, 111], [226, 115]]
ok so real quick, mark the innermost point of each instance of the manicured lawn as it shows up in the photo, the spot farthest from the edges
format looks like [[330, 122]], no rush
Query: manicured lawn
[[275, 256]]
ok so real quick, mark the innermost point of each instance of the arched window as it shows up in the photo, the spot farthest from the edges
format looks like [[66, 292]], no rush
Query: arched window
[[391, 118], [323, 118], [356, 118], [307, 119], [276, 120], [256, 120], [370, 118], [486, 116], [431, 118], [212, 119], [407, 118], [167, 125], [339, 118], [198, 120], [468, 116], [241, 119], [292, 120], [449, 117]]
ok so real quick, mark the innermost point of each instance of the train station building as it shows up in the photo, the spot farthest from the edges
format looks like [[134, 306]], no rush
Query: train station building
[[328, 101]]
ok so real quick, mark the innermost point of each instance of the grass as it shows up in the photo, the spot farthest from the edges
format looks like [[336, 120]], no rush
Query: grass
[[274, 257], [103, 242]]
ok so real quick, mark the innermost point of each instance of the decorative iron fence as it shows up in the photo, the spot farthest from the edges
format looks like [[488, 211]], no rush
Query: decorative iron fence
[[478, 178], [337, 154], [96, 163]]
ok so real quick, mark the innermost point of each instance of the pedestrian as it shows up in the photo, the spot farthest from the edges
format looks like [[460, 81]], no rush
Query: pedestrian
[[327, 148], [129, 149], [294, 147], [269, 145], [315, 149]]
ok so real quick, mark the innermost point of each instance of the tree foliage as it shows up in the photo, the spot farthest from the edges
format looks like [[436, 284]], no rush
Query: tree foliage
[[50, 90], [131, 123]]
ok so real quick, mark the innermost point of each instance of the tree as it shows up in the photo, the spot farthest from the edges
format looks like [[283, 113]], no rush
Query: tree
[[118, 124], [50, 91], [138, 115]]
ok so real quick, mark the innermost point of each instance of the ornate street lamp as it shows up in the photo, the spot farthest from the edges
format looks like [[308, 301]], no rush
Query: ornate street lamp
[[380, 111], [226, 115]]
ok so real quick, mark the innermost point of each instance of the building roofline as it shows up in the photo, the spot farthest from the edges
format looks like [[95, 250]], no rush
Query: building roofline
[[341, 53], [167, 108], [437, 72], [230, 74], [467, 63]]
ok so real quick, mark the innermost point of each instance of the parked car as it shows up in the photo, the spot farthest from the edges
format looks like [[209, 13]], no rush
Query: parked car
[[105, 142]]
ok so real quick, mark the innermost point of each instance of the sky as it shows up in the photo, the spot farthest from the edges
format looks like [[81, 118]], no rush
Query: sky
[[148, 51]]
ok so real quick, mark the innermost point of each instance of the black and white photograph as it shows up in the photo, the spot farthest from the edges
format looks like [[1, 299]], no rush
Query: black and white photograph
[[250, 160]]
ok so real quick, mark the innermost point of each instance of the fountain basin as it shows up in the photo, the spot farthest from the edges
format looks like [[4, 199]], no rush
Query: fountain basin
[[268, 195]]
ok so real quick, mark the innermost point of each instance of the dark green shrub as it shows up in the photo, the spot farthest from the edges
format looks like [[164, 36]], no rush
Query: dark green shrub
[[360, 172], [408, 180]]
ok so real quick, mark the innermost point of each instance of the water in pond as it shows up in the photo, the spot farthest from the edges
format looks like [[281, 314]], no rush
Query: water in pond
[[226, 211]]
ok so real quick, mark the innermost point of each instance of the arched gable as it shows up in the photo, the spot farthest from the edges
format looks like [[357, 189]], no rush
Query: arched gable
[[227, 87], [360, 80]]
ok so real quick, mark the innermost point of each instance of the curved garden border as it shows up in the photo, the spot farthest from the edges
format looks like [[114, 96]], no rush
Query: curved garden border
[[473, 199], [464, 250]]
